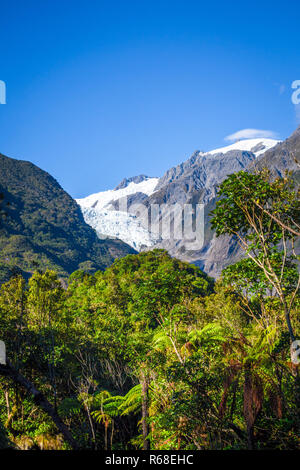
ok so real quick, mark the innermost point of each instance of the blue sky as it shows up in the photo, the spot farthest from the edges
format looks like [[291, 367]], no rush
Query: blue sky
[[100, 90]]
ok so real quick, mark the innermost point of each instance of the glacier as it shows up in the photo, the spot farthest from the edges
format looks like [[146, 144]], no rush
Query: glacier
[[99, 213]]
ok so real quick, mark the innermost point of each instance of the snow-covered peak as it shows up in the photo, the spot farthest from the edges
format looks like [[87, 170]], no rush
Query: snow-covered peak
[[256, 146], [102, 199], [134, 179]]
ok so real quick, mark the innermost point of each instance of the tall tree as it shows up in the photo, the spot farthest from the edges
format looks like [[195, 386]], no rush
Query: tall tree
[[259, 213]]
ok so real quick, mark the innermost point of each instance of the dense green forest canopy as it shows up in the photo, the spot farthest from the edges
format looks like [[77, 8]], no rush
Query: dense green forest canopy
[[152, 353], [43, 227]]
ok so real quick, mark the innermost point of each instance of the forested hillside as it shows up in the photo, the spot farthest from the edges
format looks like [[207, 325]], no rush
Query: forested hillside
[[43, 226], [152, 353]]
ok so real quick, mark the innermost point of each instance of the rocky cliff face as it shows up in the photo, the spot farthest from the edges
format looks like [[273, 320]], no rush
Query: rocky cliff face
[[207, 173], [201, 174], [196, 182], [282, 157], [217, 253], [134, 179]]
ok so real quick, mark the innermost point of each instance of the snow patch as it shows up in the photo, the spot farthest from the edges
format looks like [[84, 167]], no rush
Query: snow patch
[[102, 199], [257, 146]]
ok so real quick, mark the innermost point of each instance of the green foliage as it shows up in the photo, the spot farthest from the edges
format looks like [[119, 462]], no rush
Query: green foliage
[[254, 194], [263, 215], [42, 226], [153, 346]]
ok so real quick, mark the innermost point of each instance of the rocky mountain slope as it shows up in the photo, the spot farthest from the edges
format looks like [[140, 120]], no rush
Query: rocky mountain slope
[[217, 253], [282, 157], [44, 227], [124, 211], [195, 182]]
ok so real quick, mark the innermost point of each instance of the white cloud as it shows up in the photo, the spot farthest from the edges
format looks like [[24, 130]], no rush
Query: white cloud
[[251, 134]]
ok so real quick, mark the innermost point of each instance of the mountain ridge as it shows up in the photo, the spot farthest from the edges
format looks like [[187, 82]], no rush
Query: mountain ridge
[[133, 179], [193, 180], [44, 227], [196, 181]]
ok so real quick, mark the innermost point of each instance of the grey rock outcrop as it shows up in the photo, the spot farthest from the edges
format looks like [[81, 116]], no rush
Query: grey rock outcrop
[[134, 179]]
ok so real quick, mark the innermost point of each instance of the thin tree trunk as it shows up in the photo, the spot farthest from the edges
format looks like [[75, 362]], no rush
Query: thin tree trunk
[[112, 433], [253, 399], [292, 338], [250, 437], [91, 427], [9, 371], [288, 321], [106, 436], [145, 412], [6, 394]]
